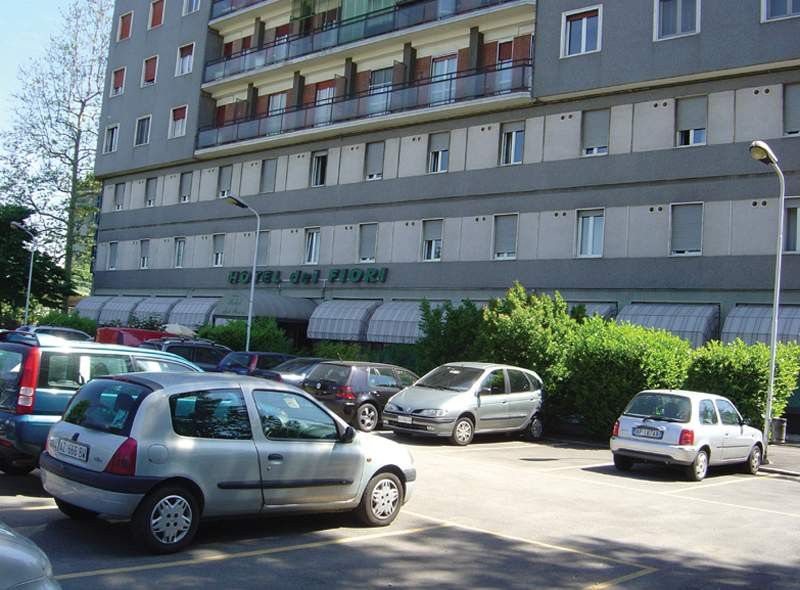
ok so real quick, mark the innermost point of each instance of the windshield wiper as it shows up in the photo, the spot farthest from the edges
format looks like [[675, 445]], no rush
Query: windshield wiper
[[444, 387], [661, 418]]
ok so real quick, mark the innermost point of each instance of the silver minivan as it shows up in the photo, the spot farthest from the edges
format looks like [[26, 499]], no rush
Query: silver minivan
[[165, 449], [458, 400]]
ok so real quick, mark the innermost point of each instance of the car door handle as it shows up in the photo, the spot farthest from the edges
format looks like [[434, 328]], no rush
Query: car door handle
[[275, 457]]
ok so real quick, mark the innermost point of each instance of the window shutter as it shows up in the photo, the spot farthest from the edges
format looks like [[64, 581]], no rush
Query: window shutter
[[125, 26], [219, 243], [112, 255], [225, 177], [150, 69], [440, 142], [686, 228], [119, 193], [268, 173], [368, 235], [432, 230], [150, 189], [375, 158], [515, 126], [179, 114], [792, 228], [186, 50], [263, 248], [505, 233], [144, 248], [791, 108], [595, 128], [504, 51], [119, 78], [692, 113], [156, 13]]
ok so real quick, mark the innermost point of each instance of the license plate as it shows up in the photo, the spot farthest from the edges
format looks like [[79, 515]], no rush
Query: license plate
[[404, 419], [73, 449], [647, 432]]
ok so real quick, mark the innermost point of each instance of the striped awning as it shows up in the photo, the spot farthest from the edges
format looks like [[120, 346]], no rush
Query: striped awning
[[90, 307], [271, 305], [752, 323], [157, 308], [604, 310], [341, 319], [118, 310], [396, 323], [193, 312], [697, 323]]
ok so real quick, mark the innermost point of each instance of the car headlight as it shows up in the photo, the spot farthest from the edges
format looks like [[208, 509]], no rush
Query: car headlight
[[433, 413], [391, 408]]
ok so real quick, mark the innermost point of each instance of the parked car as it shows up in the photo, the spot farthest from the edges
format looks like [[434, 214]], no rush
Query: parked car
[[357, 391], [459, 400], [255, 364], [294, 371], [165, 450], [60, 332], [23, 566], [685, 428], [206, 354], [128, 336], [40, 374]]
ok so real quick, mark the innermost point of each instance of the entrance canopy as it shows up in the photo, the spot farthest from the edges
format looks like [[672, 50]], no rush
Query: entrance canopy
[[155, 308], [90, 307], [118, 310], [752, 323], [265, 305], [193, 312], [341, 319], [396, 323], [697, 323]]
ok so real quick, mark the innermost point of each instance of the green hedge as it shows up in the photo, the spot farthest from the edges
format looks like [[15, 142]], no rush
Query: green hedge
[[450, 333], [265, 335], [68, 320]]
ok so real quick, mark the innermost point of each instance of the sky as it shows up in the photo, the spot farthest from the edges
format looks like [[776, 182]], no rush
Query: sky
[[27, 27]]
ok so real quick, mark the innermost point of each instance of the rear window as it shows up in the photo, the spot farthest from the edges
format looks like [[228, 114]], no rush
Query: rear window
[[294, 365], [106, 405], [10, 372], [236, 360], [210, 356], [337, 374], [660, 406], [267, 361], [184, 351]]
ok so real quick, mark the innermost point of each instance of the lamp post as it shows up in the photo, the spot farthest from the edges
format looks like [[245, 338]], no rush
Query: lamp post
[[761, 152], [19, 226], [242, 205]]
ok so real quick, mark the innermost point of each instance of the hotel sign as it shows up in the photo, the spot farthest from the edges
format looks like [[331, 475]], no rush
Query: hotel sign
[[352, 275]]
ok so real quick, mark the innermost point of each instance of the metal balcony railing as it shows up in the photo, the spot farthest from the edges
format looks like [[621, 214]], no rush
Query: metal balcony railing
[[341, 32], [430, 92], [223, 7]]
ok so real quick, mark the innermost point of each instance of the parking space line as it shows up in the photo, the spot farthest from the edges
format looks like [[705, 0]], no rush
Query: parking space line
[[568, 467], [646, 571], [242, 554], [704, 485], [479, 448]]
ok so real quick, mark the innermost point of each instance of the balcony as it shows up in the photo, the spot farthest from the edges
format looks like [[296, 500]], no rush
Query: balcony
[[222, 7], [339, 33], [467, 85]]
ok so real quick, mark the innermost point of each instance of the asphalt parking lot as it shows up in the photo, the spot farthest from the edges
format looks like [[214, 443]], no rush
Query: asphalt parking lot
[[501, 513]]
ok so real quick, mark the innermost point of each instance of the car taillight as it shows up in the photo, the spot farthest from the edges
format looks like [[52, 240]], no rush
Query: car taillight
[[615, 430], [687, 437], [124, 460], [345, 392], [28, 381]]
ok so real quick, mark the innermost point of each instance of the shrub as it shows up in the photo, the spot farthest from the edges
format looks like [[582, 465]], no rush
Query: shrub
[[450, 333], [741, 373], [265, 335], [607, 363], [150, 323], [341, 351], [68, 320]]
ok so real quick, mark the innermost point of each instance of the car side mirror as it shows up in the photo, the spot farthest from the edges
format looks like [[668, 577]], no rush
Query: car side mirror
[[485, 390], [744, 422], [348, 435]]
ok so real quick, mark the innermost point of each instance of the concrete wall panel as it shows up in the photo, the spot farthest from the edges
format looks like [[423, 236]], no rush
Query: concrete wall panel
[[297, 176], [648, 231], [281, 170], [482, 146], [534, 140], [345, 244], [351, 167], [476, 236], [406, 244], [615, 237], [528, 236], [209, 178], [251, 178], [556, 234], [621, 132], [458, 150], [291, 246], [413, 155], [759, 113], [654, 125], [753, 227], [391, 157], [383, 251], [717, 228], [562, 136], [451, 239], [720, 117]]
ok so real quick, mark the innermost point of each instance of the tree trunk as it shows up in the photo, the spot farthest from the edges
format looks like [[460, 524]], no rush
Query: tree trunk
[[69, 246]]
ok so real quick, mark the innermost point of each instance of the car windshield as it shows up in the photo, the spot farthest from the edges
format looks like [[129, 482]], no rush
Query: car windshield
[[236, 360], [107, 405], [660, 406], [451, 378], [294, 365]]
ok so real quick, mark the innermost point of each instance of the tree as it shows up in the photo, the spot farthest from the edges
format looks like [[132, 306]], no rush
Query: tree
[[450, 333], [48, 154]]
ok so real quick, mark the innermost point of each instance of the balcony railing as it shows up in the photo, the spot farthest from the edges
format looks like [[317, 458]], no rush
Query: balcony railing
[[223, 7], [340, 33], [430, 92]]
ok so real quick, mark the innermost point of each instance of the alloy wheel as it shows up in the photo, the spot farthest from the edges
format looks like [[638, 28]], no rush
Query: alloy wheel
[[463, 431], [385, 497], [701, 465], [171, 519], [367, 417]]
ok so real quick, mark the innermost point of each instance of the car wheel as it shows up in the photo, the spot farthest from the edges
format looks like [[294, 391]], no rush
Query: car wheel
[[699, 467], [10, 468], [623, 463], [367, 417], [167, 519], [534, 429], [753, 463], [381, 501], [74, 512], [463, 432]]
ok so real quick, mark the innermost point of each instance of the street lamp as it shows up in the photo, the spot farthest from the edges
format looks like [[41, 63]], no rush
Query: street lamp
[[242, 205], [19, 226], [760, 151]]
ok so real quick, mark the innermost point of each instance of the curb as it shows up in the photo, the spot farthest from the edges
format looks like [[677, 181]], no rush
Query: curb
[[780, 471]]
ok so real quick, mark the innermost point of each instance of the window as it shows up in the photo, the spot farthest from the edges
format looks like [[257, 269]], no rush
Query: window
[[287, 416], [518, 382], [185, 60], [119, 196], [727, 413], [439, 152], [185, 190], [263, 248], [374, 161], [190, 6], [218, 250], [687, 229], [149, 71], [675, 18], [186, 352], [590, 233], [150, 192], [594, 132], [380, 81], [777, 9], [505, 237], [112, 256], [177, 122], [124, 26], [791, 109], [691, 114], [432, 240], [156, 14], [406, 378], [224, 181], [276, 103], [708, 415], [367, 241], [111, 139], [106, 406], [493, 384], [381, 377], [311, 255], [142, 134], [513, 143], [118, 82], [443, 71], [792, 228], [158, 366], [319, 168], [581, 31], [208, 356], [144, 254], [269, 170], [219, 414], [180, 249]]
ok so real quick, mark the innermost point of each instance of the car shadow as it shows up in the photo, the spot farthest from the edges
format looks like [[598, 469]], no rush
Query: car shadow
[[29, 485], [433, 441], [660, 473]]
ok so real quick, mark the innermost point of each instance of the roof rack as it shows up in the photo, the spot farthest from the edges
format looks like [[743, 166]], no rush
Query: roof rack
[[29, 338], [181, 339]]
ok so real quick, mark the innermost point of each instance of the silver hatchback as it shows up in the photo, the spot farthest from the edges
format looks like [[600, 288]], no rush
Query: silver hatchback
[[165, 449], [685, 428]]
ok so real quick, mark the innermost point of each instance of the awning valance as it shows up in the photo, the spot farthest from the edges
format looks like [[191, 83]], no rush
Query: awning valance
[[396, 323], [193, 312], [265, 305], [752, 323], [90, 307], [341, 319], [157, 308], [697, 323], [118, 310], [604, 310]]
